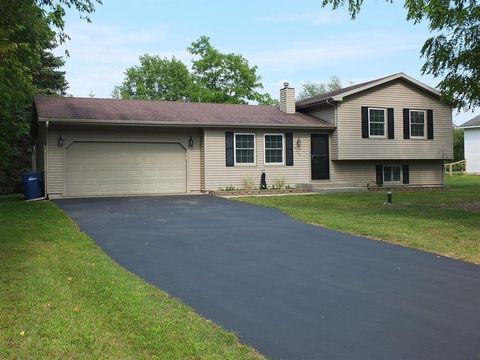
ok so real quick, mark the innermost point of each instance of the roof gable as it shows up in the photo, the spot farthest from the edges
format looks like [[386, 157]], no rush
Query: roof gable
[[340, 94], [475, 122]]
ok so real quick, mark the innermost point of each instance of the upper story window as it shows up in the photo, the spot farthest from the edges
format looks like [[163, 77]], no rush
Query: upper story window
[[391, 173], [274, 144], [417, 124], [244, 149], [376, 122]]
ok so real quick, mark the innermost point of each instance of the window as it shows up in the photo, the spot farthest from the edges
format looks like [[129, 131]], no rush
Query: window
[[274, 148], [244, 148], [376, 122], [391, 173], [417, 123]]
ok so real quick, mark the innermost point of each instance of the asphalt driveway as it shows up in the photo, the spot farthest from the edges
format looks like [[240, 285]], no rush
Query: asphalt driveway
[[291, 290]]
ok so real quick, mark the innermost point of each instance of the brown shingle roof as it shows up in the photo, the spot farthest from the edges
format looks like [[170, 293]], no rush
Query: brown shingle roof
[[472, 122], [92, 110]]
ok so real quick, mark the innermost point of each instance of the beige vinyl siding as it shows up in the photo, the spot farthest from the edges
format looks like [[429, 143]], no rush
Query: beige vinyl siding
[[324, 112], [218, 175], [397, 95], [56, 155], [328, 113], [54, 164], [361, 173], [40, 147], [202, 160]]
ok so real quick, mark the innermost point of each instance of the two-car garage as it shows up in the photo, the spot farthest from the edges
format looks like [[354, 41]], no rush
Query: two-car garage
[[124, 168]]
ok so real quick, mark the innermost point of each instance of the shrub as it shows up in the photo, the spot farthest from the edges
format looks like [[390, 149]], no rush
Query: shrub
[[279, 182], [247, 182]]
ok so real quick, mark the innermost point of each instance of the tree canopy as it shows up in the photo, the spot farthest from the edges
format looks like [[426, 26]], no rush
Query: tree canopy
[[458, 145], [452, 52], [29, 30], [215, 77], [156, 78], [312, 88]]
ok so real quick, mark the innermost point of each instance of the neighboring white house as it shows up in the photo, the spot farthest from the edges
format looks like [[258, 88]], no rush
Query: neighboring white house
[[472, 145]]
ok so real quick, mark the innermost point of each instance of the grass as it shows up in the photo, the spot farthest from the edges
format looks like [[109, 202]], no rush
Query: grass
[[62, 297], [443, 222]]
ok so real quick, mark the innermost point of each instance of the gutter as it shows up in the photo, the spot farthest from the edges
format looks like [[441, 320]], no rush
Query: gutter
[[469, 127], [182, 125]]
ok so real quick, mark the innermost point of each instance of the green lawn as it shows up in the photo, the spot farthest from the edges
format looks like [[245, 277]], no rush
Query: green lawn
[[62, 297], [444, 222]]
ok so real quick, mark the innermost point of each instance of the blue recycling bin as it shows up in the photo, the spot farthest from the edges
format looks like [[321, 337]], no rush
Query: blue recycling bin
[[32, 184]]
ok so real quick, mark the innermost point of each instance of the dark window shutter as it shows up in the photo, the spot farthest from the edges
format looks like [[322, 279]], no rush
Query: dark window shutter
[[229, 155], [406, 123], [379, 175], [364, 122], [289, 149], [406, 174], [430, 124], [391, 123]]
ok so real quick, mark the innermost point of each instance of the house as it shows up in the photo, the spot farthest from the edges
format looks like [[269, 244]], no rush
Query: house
[[392, 131], [472, 145]]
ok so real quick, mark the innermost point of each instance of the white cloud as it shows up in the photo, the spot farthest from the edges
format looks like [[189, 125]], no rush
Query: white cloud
[[336, 50], [323, 17], [99, 55]]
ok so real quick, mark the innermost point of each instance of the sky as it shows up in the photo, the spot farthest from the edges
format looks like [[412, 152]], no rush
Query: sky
[[294, 41]]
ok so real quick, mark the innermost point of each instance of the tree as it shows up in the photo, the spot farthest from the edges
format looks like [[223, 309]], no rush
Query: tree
[[223, 78], [452, 52], [458, 147], [215, 77], [28, 29], [156, 78], [46, 76], [310, 88]]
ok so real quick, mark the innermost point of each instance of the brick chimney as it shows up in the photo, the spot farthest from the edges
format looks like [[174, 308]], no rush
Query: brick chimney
[[287, 99]]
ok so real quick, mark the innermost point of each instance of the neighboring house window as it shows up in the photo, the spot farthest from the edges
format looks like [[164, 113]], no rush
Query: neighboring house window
[[376, 122], [244, 148], [274, 144], [417, 124], [391, 173]]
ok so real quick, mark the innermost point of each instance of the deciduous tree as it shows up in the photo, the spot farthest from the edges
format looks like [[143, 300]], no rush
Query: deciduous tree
[[452, 53], [158, 79], [223, 78], [28, 30], [312, 88]]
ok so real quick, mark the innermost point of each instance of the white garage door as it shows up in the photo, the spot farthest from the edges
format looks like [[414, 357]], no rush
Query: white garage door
[[106, 168]]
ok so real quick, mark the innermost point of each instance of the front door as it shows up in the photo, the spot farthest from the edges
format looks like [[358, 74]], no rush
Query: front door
[[320, 157]]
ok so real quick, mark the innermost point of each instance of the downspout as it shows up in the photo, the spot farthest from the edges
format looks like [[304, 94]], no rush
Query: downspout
[[335, 106], [45, 160]]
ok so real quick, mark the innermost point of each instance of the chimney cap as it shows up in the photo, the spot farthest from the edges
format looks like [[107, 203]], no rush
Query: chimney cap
[[286, 84]]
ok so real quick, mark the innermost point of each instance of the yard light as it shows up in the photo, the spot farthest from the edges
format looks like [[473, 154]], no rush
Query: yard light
[[60, 141], [389, 198], [190, 143]]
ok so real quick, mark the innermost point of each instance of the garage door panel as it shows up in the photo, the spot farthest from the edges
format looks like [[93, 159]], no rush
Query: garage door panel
[[102, 168]]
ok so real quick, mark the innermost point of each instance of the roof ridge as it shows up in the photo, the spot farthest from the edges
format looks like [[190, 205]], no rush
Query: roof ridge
[[342, 90], [146, 100]]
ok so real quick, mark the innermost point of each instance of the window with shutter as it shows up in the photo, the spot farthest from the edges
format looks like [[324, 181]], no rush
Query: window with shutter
[[244, 145], [274, 145]]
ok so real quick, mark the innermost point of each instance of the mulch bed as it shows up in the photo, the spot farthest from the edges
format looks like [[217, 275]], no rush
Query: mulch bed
[[259, 192]]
